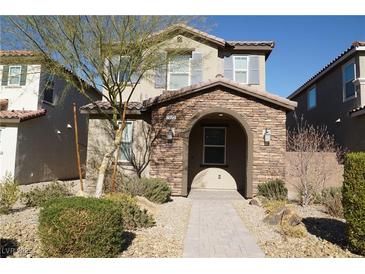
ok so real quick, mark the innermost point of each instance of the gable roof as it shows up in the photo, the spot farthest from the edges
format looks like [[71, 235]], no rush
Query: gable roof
[[265, 46], [356, 46], [244, 89]]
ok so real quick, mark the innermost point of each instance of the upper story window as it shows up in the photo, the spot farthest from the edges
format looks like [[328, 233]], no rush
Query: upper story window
[[348, 76], [179, 72], [14, 75], [240, 69], [126, 147], [48, 94], [312, 98]]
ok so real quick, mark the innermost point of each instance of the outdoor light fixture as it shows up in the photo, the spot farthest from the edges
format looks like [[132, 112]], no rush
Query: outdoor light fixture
[[170, 135], [267, 136], [220, 114]]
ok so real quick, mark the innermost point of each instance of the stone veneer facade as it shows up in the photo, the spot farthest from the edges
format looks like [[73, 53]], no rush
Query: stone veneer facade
[[167, 159]]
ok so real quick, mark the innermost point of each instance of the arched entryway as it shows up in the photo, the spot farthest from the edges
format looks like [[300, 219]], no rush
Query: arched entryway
[[218, 152]]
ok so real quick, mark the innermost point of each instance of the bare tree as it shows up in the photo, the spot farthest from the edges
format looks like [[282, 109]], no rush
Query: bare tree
[[310, 144], [110, 53]]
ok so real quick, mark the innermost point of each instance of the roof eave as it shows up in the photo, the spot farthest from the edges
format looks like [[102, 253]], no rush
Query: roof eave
[[329, 68]]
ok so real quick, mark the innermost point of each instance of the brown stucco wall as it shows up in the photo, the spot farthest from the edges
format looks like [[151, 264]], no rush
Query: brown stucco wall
[[167, 159], [349, 132]]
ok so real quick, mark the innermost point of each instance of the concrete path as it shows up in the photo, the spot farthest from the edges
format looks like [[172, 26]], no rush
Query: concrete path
[[215, 229]]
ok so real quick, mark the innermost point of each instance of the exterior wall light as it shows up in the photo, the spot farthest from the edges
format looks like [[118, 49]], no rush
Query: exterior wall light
[[267, 136], [170, 135]]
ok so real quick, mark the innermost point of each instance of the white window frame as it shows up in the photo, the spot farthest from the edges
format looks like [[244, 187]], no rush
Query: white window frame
[[243, 70], [9, 76], [308, 96], [131, 142], [351, 62], [176, 73], [224, 146]]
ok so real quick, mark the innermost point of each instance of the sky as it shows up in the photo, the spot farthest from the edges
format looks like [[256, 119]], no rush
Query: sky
[[303, 44]]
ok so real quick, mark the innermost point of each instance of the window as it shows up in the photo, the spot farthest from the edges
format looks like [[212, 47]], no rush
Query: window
[[48, 90], [240, 69], [179, 72], [348, 77], [214, 145], [312, 98], [126, 147], [14, 75]]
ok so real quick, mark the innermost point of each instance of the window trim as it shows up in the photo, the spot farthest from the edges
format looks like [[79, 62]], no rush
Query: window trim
[[9, 76], [131, 142], [308, 94], [224, 146], [168, 74], [234, 68], [352, 61]]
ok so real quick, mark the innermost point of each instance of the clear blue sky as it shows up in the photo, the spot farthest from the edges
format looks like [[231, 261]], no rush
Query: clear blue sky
[[304, 44]]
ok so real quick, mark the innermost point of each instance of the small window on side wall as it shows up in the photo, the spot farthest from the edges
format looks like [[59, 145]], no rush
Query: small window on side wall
[[348, 76], [127, 139], [48, 95], [312, 98]]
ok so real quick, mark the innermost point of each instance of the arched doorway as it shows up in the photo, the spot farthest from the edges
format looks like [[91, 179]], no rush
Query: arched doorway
[[218, 152]]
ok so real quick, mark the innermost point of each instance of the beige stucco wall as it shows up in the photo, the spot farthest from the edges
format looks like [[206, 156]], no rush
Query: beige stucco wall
[[213, 64]]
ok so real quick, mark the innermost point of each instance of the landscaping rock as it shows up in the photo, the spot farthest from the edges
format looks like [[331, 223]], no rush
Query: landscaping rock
[[255, 202]]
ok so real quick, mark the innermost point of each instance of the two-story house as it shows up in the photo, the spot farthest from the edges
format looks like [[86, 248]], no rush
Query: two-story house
[[216, 126], [36, 121], [335, 98]]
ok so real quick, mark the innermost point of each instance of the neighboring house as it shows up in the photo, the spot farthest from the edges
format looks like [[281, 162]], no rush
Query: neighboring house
[[36, 121], [214, 124], [335, 97]]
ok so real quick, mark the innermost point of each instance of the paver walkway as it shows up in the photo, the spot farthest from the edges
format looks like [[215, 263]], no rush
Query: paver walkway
[[215, 229]]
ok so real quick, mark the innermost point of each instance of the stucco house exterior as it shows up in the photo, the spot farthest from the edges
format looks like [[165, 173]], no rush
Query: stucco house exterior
[[36, 121], [335, 97], [214, 124]]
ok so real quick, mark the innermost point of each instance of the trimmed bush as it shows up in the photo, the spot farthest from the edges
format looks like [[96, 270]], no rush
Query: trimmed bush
[[9, 193], [80, 227], [273, 190], [133, 217], [40, 195], [134, 186], [156, 190], [331, 198], [353, 199]]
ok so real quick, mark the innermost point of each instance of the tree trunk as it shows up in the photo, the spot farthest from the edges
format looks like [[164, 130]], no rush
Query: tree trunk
[[105, 163]]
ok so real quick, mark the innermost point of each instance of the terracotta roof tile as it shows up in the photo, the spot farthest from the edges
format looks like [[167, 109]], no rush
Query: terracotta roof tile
[[105, 105], [251, 43], [357, 109], [22, 115], [16, 53], [245, 89]]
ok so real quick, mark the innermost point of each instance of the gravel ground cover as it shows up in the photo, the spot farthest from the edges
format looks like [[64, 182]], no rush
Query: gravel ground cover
[[326, 235], [18, 232]]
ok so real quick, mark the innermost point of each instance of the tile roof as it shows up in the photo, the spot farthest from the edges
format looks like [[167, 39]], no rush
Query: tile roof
[[17, 53], [22, 115], [326, 68], [357, 111], [245, 89], [252, 43], [105, 105]]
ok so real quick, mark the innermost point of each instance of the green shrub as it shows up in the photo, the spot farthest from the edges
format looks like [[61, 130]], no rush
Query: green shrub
[[133, 217], [80, 227], [134, 186], [331, 198], [353, 199], [9, 193], [156, 190], [40, 195], [273, 190]]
